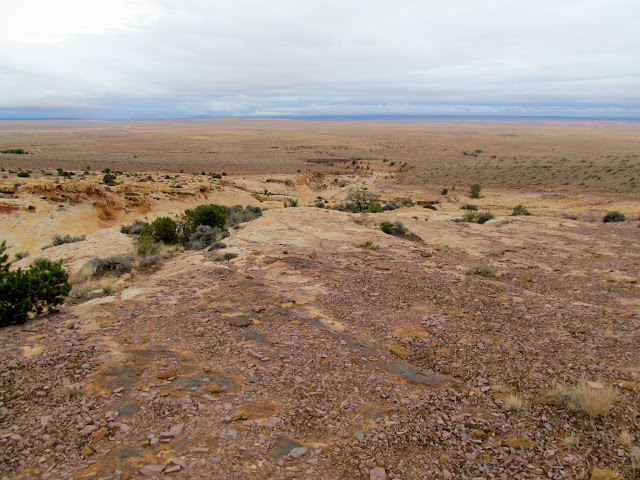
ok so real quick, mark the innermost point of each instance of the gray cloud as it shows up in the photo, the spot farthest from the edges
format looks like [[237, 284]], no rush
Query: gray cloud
[[161, 58]]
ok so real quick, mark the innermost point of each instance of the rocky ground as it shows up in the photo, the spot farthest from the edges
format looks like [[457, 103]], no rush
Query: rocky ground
[[315, 355]]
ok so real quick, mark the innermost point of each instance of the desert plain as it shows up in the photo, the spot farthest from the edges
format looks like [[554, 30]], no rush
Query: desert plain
[[327, 348]]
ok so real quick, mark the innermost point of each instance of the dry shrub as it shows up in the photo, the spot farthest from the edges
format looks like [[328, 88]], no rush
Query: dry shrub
[[625, 439], [581, 397], [369, 245], [514, 402], [365, 220]]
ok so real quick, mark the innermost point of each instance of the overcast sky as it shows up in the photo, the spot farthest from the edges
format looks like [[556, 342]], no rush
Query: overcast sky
[[122, 59]]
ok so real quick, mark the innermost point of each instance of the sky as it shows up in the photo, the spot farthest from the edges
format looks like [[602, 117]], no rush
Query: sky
[[156, 59]]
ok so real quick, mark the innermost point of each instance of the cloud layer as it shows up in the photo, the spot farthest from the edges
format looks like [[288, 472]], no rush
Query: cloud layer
[[167, 59]]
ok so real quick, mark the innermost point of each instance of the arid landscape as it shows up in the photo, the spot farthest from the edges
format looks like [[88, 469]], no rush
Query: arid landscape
[[422, 334]]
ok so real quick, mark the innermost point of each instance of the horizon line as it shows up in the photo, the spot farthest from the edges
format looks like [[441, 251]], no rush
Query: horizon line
[[337, 117]]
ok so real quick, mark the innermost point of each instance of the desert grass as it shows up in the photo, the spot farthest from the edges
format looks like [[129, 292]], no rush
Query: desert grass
[[482, 269], [369, 245], [625, 439], [584, 398], [515, 402]]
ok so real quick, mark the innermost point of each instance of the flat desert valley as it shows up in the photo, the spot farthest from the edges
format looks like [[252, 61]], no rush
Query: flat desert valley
[[418, 334]]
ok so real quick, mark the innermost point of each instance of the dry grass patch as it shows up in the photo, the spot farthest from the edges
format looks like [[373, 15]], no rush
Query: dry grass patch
[[515, 403], [369, 245], [591, 398], [482, 269], [625, 439]]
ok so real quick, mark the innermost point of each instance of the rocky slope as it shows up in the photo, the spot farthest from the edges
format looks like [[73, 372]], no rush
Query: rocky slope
[[316, 355]]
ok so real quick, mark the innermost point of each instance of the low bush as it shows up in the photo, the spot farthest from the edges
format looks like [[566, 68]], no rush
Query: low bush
[[114, 264], [369, 245], [444, 191], [482, 269], [474, 217], [375, 207], [614, 216], [109, 179], [14, 151], [211, 215], [237, 215], [21, 255], [469, 207], [484, 217], [57, 240], [475, 190], [23, 174], [134, 229], [570, 216], [520, 210], [399, 229], [290, 202], [147, 261], [225, 257], [386, 227], [470, 217], [205, 236], [430, 206], [162, 229], [147, 246], [42, 287]]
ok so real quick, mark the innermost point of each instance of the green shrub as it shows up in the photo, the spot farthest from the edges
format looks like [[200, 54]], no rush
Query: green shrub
[[615, 216], [430, 206], [211, 215], [482, 269], [290, 202], [134, 229], [162, 229], [407, 202], [484, 217], [470, 217], [475, 190], [520, 210], [14, 151], [23, 174], [43, 286], [570, 216], [147, 245], [374, 207], [226, 257], [109, 179], [444, 191], [386, 227], [468, 207]]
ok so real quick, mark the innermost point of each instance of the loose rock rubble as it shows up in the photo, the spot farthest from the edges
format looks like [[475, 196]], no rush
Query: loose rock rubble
[[348, 363]]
